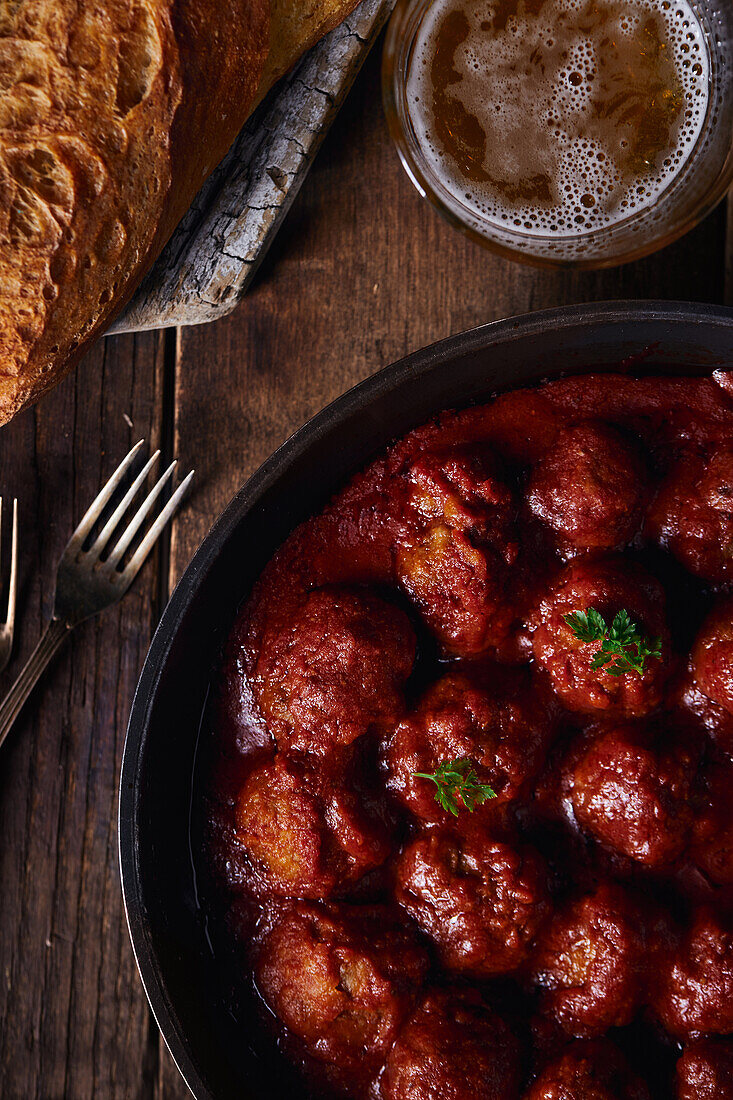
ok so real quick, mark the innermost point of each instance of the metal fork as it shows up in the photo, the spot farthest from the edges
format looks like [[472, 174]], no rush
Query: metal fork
[[88, 580], [7, 628]]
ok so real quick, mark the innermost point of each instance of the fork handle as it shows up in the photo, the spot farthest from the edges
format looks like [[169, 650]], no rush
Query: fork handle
[[11, 706]]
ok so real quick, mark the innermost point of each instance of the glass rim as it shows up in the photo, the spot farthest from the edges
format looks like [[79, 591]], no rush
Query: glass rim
[[393, 77]]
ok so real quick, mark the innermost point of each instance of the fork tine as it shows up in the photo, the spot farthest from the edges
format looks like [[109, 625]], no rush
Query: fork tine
[[132, 567], [109, 528], [139, 518], [95, 509], [13, 587]]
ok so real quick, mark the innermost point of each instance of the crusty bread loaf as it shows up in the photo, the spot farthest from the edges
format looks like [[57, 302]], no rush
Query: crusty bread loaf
[[296, 25], [112, 113]]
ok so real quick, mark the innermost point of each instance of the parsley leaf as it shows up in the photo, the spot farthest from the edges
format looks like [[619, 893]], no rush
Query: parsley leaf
[[586, 625], [456, 779], [623, 647]]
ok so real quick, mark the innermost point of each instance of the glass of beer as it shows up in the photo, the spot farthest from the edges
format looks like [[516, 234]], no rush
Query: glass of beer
[[578, 133]]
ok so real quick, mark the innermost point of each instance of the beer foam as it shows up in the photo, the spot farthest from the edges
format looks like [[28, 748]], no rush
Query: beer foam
[[534, 88]]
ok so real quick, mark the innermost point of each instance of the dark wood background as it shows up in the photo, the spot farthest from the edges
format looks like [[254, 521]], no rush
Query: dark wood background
[[362, 272]]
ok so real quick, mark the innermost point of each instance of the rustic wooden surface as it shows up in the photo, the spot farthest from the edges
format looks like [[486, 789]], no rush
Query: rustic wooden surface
[[362, 272]]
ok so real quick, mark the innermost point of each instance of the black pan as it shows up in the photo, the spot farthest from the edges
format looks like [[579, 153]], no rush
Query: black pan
[[167, 928]]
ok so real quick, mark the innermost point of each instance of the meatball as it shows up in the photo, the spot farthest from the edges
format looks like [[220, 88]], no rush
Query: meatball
[[464, 488], [588, 1070], [711, 671], [453, 564], [479, 899], [587, 962], [497, 721], [712, 656], [632, 792], [693, 514], [695, 988], [453, 1047], [608, 585], [712, 827], [341, 979], [305, 833], [705, 1070], [334, 671], [458, 587], [589, 488]]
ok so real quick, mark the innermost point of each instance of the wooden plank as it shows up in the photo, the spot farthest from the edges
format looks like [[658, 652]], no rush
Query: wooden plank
[[75, 1020], [363, 272]]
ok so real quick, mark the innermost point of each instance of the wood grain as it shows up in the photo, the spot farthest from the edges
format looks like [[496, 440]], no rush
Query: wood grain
[[75, 1023], [362, 272]]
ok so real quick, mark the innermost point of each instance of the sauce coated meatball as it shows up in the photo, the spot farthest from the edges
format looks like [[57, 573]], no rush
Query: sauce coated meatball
[[497, 721], [458, 588], [693, 514], [463, 487], [341, 979], [632, 791], [712, 829], [589, 488], [587, 963], [480, 900], [711, 668], [453, 1047], [705, 1070], [608, 585], [588, 1070], [305, 832], [695, 990], [335, 671], [712, 656], [454, 563]]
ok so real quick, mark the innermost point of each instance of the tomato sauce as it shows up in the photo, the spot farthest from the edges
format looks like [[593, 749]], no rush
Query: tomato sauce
[[577, 916]]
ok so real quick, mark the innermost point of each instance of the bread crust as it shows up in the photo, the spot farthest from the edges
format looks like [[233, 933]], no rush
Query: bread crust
[[112, 114], [296, 26]]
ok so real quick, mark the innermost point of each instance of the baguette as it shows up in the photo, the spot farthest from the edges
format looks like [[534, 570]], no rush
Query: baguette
[[112, 114]]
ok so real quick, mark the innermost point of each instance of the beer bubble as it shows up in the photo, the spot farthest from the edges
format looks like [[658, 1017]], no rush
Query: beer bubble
[[555, 151]]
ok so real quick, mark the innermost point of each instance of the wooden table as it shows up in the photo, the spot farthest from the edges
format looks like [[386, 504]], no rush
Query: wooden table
[[363, 272]]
